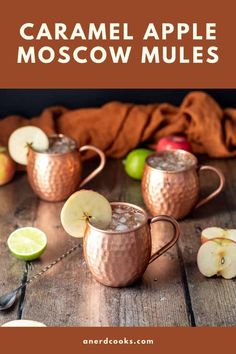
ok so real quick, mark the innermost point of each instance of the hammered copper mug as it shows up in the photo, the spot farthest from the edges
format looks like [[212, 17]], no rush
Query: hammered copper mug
[[119, 258], [55, 176], [176, 192]]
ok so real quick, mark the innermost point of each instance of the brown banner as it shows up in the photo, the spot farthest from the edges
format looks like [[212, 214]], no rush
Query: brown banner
[[107, 74], [76, 340]]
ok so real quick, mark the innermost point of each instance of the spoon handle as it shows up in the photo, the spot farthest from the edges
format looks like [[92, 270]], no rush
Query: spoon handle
[[49, 266]]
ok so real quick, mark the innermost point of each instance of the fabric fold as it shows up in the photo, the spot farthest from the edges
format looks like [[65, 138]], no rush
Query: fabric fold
[[117, 127]]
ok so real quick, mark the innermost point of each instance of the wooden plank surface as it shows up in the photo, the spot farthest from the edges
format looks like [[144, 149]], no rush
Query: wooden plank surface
[[69, 296], [172, 291], [212, 299], [17, 208]]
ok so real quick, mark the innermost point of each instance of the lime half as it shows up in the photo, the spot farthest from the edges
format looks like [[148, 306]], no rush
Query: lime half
[[27, 243]]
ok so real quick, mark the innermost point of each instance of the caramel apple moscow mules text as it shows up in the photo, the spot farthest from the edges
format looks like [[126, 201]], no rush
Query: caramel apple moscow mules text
[[160, 43]]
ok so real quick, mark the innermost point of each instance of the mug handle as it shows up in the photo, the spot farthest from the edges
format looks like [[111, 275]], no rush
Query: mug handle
[[174, 239], [99, 168], [218, 190]]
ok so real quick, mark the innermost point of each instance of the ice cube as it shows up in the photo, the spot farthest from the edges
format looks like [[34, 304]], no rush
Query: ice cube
[[123, 220], [139, 217], [61, 145], [118, 210], [121, 227]]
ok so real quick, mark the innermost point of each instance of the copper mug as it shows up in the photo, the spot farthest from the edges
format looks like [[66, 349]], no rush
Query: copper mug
[[119, 258], [55, 176], [176, 192]]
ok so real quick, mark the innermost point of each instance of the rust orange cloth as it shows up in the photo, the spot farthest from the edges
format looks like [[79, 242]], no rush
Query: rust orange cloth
[[117, 127]]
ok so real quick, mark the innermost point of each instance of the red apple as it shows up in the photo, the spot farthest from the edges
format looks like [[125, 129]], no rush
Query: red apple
[[7, 167], [173, 142]]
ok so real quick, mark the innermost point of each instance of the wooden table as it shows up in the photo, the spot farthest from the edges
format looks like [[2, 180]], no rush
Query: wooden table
[[172, 291]]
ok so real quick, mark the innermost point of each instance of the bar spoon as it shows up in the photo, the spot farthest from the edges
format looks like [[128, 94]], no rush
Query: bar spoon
[[8, 300]]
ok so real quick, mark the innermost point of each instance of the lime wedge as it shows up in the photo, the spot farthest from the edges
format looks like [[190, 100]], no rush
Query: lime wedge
[[27, 243]]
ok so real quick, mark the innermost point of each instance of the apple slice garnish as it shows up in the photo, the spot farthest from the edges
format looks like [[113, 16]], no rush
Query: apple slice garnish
[[23, 323], [217, 232], [84, 206], [217, 257], [24, 137]]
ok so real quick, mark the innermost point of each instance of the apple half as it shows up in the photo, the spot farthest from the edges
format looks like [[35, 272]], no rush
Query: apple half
[[24, 137], [84, 206], [217, 232], [217, 257]]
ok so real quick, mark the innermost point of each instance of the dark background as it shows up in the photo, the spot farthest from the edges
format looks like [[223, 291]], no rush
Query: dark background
[[31, 102]]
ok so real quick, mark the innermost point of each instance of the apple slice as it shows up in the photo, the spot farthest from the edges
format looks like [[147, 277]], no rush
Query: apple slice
[[21, 138], [217, 257], [217, 232], [210, 233], [23, 323], [83, 206], [231, 234]]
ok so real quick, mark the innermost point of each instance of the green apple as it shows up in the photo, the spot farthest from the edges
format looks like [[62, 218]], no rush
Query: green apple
[[134, 162]]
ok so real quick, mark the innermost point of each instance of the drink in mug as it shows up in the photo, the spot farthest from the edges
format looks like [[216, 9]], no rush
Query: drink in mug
[[54, 174], [60, 144], [171, 185], [170, 161], [125, 217], [120, 254]]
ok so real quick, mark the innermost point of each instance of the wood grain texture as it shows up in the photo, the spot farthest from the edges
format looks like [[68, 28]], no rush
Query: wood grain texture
[[172, 291], [69, 296], [212, 299], [17, 208]]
